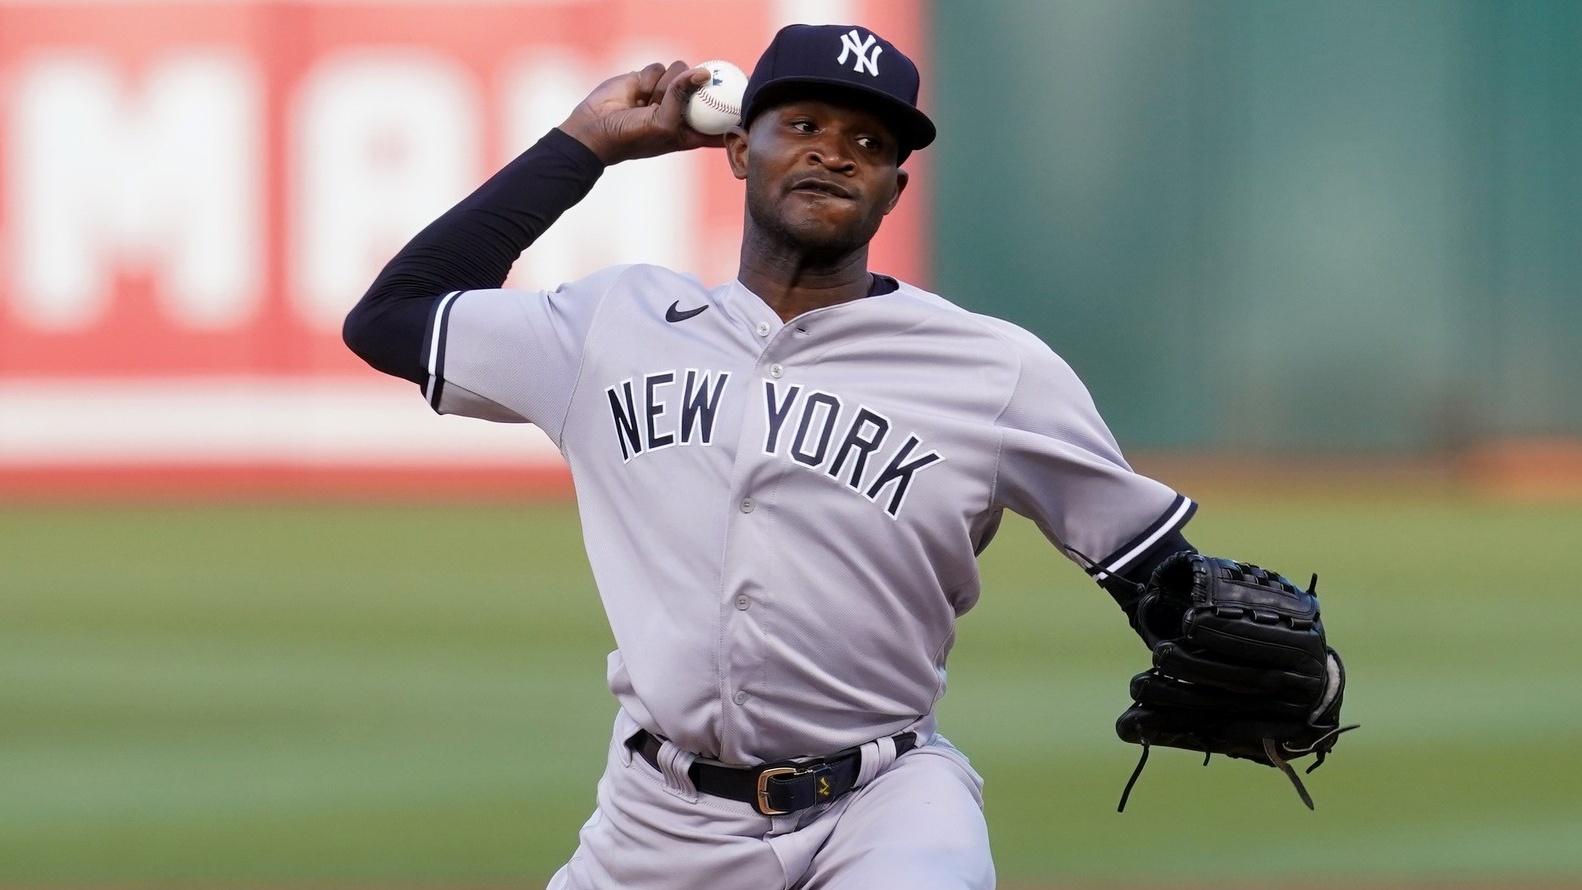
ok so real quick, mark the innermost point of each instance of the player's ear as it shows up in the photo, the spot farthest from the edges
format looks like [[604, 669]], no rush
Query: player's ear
[[901, 177], [736, 151]]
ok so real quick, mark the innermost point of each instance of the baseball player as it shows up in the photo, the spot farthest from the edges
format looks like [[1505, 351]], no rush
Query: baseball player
[[784, 480]]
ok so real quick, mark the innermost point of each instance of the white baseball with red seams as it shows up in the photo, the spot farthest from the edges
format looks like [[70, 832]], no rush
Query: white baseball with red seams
[[717, 105]]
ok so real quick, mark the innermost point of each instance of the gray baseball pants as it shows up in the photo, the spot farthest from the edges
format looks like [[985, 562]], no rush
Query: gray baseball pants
[[917, 823]]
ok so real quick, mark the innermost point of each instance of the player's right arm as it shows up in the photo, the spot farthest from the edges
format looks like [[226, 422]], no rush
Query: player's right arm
[[435, 315]]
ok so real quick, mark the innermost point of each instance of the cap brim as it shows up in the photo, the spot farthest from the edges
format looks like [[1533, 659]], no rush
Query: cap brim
[[914, 129]]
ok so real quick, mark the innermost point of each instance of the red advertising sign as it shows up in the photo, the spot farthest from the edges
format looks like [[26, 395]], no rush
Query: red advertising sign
[[192, 196]]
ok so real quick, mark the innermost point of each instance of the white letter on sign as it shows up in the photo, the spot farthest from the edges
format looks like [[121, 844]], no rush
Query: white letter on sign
[[165, 177], [384, 142]]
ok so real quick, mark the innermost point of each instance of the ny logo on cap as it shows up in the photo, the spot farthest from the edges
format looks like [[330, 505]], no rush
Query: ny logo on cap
[[853, 42]]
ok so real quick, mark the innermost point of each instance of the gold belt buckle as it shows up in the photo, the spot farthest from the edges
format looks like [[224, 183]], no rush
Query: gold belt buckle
[[763, 788]]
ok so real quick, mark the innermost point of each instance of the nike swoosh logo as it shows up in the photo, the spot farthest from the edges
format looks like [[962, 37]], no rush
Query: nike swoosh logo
[[675, 313]]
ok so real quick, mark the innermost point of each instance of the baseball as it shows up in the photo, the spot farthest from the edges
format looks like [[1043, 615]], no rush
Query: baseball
[[717, 105]]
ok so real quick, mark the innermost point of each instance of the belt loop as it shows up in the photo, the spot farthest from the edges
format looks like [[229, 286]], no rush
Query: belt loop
[[674, 764], [877, 756]]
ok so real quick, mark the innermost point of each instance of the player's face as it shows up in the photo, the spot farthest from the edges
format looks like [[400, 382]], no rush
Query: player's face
[[820, 174]]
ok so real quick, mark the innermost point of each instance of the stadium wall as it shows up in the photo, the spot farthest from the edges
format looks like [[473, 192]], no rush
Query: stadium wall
[[1352, 227], [1257, 225]]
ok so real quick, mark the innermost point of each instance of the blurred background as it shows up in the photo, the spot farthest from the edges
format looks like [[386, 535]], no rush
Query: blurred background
[[266, 620]]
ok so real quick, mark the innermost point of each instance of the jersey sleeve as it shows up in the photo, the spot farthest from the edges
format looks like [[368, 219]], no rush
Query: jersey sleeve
[[1060, 467], [509, 355]]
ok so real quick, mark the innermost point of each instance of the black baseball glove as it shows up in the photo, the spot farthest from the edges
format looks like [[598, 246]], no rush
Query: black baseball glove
[[1241, 668]]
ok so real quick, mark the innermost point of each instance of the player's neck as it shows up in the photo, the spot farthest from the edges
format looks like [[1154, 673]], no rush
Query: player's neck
[[794, 283]]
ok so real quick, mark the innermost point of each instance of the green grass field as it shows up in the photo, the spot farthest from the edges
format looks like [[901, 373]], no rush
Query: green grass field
[[414, 694]]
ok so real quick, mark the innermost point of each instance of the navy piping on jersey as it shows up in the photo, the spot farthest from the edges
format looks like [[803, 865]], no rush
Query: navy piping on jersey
[[436, 352], [1173, 518]]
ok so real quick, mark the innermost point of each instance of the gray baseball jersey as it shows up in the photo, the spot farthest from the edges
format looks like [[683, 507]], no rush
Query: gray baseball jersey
[[784, 519]]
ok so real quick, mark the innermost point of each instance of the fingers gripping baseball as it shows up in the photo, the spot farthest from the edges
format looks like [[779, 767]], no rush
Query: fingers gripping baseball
[[678, 77], [639, 114]]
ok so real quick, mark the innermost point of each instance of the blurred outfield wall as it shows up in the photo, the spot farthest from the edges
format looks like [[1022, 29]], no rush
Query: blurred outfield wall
[[1250, 225], [1259, 224]]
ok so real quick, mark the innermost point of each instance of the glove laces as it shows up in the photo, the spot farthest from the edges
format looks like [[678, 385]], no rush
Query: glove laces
[[1272, 750]]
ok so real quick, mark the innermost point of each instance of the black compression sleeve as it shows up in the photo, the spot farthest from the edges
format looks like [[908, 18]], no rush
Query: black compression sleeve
[[1127, 587], [471, 246]]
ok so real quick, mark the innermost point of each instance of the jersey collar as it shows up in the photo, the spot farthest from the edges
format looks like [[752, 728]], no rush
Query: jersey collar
[[752, 312]]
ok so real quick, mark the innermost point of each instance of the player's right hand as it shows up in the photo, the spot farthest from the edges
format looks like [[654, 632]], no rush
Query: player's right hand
[[638, 114]]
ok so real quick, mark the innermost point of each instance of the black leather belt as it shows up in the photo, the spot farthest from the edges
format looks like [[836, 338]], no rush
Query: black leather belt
[[777, 788]]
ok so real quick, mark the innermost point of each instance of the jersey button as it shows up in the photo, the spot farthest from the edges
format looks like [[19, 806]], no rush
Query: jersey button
[[740, 698], [742, 602], [747, 505], [776, 370], [763, 329]]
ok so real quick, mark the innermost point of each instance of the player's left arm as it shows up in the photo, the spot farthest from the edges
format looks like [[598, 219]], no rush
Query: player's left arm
[[1061, 467], [1241, 662]]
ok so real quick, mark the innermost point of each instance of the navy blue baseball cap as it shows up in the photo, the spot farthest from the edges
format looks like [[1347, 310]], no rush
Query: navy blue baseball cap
[[809, 59]]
